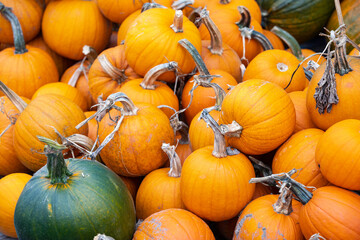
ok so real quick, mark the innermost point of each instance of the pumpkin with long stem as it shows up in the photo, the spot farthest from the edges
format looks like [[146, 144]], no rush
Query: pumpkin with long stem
[[24, 68], [149, 90], [76, 199], [160, 189], [212, 172], [265, 112], [334, 91], [322, 206], [149, 35], [176, 224], [217, 54]]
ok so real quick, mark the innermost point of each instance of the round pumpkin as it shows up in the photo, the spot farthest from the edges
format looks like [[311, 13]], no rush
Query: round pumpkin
[[124, 27], [11, 187], [176, 224], [73, 199], [69, 25]]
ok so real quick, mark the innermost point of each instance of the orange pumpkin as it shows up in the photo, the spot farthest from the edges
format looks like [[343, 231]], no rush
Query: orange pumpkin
[[260, 190], [109, 71], [263, 110], [156, 40], [209, 174], [277, 66], [8, 160], [175, 224], [274, 39], [69, 25], [124, 27], [132, 185], [29, 14], [337, 154], [299, 152], [160, 189], [11, 187]]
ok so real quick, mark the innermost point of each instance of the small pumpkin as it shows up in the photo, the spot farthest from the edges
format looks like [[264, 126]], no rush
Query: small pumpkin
[[303, 119], [75, 198]]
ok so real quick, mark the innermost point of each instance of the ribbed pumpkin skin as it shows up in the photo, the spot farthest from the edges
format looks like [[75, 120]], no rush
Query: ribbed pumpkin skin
[[100, 82], [124, 27], [69, 25], [348, 90], [38, 118], [161, 95], [93, 200], [303, 19], [303, 119], [135, 149], [277, 66], [175, 224], [333, 212], [29, 14], [350, 10], [25, 73], [214, 188], [149, 36], [65, 90], [118, 10], [259, 215], [299, 152], [338, 154], [8, 160], [265, 112], [11, 187], [158, 191]]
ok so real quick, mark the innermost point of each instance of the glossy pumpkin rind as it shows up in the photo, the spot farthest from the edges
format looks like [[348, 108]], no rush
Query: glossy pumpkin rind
[[93, 200]]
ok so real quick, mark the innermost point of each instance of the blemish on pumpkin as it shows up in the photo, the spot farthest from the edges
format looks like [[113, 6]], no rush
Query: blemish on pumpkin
[[49, 207], [241, 223], [349, 85], [282, 67]]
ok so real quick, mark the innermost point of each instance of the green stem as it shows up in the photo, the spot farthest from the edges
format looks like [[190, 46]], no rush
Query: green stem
[[57, 169], [19, 41], [262, 39], [290, 41], [196, 56]]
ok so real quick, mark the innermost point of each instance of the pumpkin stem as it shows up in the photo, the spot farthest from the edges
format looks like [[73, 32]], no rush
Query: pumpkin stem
[[57, 169], [260, 168], [178, 126], [297, 188], [196, 56], [290, 41], [220, 131], [317, 236], [19, 103], [181, 4], [152, 75], [216, 46], [175, 162], [245, 20], [115, 73], [194, 17], [225, 2], [19, 41], [177, 25], [151, 5], [284, 203]]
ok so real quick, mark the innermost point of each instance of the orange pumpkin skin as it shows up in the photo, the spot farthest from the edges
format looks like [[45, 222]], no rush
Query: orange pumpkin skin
[[261, 190], [299, 152], [156, 40], [228, 61], [29, 14], [11, 187], [175, 224], [204, 97], [333, 212], [259, 215], [8, 160], [277, 66], [38, 118], [158, 191], [92, 125], [338, 153], [65, 90], [118, 10], [206, 179], [161, 95], [78, 23], [82, 84], [265, 112], [124, 27], [354, 52], [130, 153], [303, 119], [200, 134], [100, 82], [348, 90], [25, 73], [183, 151], [132, 185], [275, 40]]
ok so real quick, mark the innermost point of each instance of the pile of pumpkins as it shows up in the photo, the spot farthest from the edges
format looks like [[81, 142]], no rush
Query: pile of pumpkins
[[179, 119]]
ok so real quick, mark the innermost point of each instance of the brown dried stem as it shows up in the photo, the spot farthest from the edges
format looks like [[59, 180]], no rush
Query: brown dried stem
[[216, 46], [152, 75], [114, 72], [177, 25], [175, 162]]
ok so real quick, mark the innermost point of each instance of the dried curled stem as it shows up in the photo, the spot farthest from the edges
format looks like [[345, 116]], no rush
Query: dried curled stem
[[152, 75], [177, 25], [284, 203], [175, 162], [114, 72], [216, 44]]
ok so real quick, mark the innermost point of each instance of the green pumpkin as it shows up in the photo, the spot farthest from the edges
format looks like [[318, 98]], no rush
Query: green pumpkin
[[303, 19], [73, 199]]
